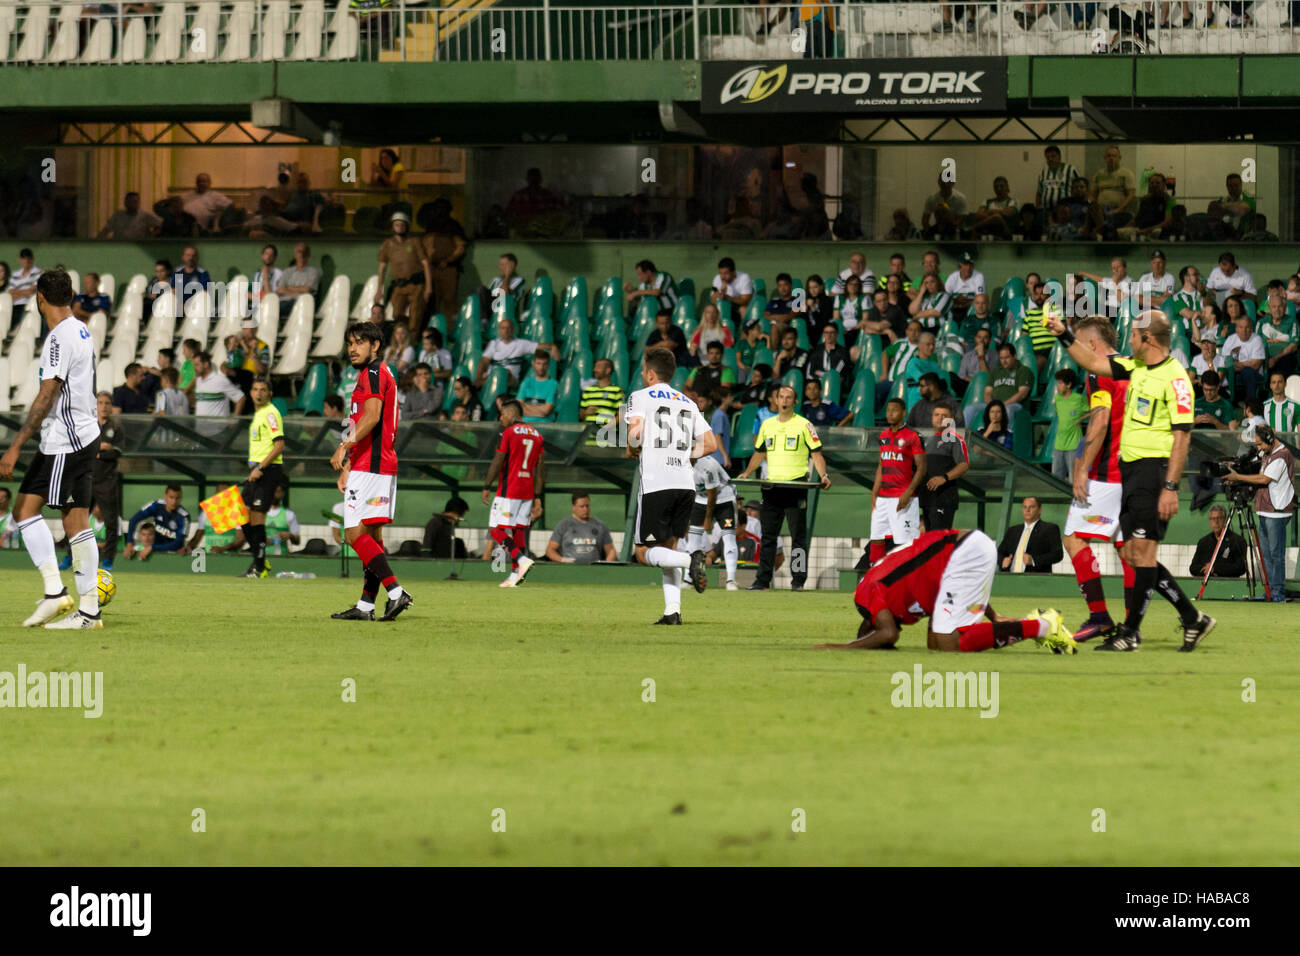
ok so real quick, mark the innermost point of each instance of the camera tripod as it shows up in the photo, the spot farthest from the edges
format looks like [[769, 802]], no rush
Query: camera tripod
[[1249, 531]]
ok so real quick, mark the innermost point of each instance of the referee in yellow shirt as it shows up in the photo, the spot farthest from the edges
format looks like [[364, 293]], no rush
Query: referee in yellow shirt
[[1152, 451], [786, 442], [266, 461]]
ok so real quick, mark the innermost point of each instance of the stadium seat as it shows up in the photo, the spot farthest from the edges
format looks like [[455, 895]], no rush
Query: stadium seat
[[171, 37], [1293, 387], [159, 333], [308, 29], [801, 330], [622, 371], [871, 354], [862, 400], [275, 30], [361, 311], [497, 383], [567, 396], [99, 43], [542, 296], [644, 320], [6, 314], [1044, 456], [67, 40], [1022, 434], [106, 375], [268, 322], [108, 286], [679, 378], [31, 323], [98, 326], [197, 320], [575, 295], [333, 323], [137, 284], [794, 378], [346, 34], [126, 331], [505, 307], [134, 42], [8, 23], [75, 278], [684, 314], [537, 326], [25, 388], [4, 384], [311, 396], [582, 361], [297, 338], [830, 386], [207, 18], [742, 432], [763, 356], [975, 390], [686, 286]]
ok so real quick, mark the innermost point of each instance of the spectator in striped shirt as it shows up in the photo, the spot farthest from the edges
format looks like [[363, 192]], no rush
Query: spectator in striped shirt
[[932, 306], [1280, 412], [857, 267], [22, 284], [1280, 339], [1034, 324], [653, 283], [1187, 300], [1056, 179], [600, 401]]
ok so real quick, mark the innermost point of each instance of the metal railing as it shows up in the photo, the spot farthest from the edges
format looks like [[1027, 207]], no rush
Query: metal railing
[[46, 32]]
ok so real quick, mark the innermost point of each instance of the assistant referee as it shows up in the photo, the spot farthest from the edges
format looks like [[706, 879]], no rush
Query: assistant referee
[[786, 442], [266, 461], [1153, 450]]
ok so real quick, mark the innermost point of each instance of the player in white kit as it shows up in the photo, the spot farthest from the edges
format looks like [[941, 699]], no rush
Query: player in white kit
[[665, 431], [715, 503], [64, 411]]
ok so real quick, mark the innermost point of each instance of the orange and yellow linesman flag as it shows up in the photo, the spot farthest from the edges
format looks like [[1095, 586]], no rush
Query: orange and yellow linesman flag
[[225, 510]]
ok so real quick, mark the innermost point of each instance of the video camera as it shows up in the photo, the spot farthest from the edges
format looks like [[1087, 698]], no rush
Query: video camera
[[1247, 463]]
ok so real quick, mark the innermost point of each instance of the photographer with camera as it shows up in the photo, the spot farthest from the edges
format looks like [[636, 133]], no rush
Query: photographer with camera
[[1274, 504]]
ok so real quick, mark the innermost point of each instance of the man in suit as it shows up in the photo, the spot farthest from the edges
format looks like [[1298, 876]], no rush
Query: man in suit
[[1231, 562], [1033, 546]]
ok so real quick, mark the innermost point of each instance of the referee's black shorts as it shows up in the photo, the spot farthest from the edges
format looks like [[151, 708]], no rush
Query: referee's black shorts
[[1141, 483], [260, 495]]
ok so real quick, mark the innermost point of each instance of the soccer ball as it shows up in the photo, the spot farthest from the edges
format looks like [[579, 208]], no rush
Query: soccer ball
[[106, 587]]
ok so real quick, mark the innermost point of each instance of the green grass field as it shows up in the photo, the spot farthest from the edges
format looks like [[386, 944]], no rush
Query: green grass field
[[531, 701]]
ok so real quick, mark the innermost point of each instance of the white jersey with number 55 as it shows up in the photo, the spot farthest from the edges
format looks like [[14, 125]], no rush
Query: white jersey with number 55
[[671, 425]]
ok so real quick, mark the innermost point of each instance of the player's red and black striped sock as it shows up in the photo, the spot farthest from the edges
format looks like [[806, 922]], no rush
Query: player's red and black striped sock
[[508, 538], [878, 551], [369, 587], [1088, 574], [375, 561]]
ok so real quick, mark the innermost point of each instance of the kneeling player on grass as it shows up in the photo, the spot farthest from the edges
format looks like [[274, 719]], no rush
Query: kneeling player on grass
[[947, 576], [665, 431], [367, 462], [518, 502]]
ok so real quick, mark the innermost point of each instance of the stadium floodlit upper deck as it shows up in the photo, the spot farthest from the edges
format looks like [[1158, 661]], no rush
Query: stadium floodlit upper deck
[[42, 32]]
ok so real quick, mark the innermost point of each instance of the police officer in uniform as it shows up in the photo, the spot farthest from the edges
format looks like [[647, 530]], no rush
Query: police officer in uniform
[[787, 442], [411, 273]]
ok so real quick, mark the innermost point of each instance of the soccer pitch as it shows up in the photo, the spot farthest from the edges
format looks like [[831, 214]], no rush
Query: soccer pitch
[[514, 727]]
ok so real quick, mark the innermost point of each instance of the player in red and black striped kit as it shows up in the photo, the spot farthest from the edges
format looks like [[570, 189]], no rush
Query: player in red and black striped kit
[[367, 462], [946, 576], [516, 475]]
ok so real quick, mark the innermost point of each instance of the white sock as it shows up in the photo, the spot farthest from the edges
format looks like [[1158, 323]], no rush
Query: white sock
[[85, 563], [394, 592], [695, 540], [40, 546], [1044, 627], [658, 557], [730, 553], [365, 606], [672, 590]]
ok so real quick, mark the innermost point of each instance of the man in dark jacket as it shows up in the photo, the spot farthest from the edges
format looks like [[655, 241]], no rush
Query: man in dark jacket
[[1231, 562], [1031, 547]]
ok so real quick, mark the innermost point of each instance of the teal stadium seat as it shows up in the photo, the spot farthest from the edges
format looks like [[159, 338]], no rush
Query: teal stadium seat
[[568, 396], [497, 384], [831, 386], [311, 397], [862, 400], [742, 432]]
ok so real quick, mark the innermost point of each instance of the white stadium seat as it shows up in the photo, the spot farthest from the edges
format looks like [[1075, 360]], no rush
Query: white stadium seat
[[297, 338], [218, 352], [275, 30], [361, 311], [32, 322], [170, 37], [106, 375], [268, 322], [345, 32], [9, 22], [98, 325], [308, 29], [134, 40], [333, 320], [4, 384], [108, 285], [67, 39], [36, 35], [6, 314], [239, 34], [99, 45], [204, 34], [138, 284], [21, 350], [198, 319], [25, 388], [75, 278], [1293, 387]]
